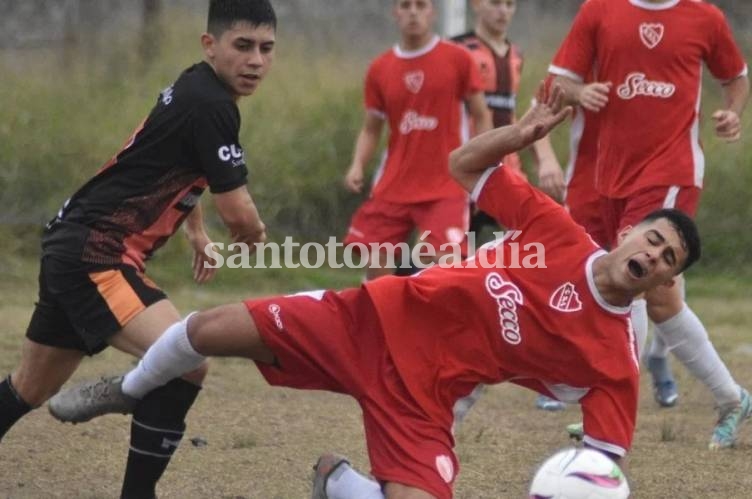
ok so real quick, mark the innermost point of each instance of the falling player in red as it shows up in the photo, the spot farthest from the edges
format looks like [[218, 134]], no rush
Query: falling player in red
[[546, 308], [417, 89], [647, 57]]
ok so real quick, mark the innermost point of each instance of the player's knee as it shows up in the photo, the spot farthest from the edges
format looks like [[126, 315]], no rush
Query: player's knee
[[197, 375], [199, 328]]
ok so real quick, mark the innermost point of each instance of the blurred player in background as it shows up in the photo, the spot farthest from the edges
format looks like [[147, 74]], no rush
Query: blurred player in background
[[417, 89], [647, 57]]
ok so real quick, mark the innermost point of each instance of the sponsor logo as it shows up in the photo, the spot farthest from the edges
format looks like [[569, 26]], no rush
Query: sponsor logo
[[507, 296], [166, 95], [637, 84], [167, 443], [445, 467], [413, 121], [565, 299], [414, 80], [233, 153], [651, 34], [499, 101], [275, 310]]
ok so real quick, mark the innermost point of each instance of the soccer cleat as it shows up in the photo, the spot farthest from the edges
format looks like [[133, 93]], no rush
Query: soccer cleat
[[664, 386], [326, 466], [576, 431], [730, 418], [91, 399], [545, 403]]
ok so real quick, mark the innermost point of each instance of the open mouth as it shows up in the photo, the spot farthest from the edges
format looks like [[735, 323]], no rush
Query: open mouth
[[637, 270]]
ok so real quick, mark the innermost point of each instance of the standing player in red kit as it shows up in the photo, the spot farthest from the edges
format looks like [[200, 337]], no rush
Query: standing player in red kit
[[551, 314], [647, 57], [417, 88]]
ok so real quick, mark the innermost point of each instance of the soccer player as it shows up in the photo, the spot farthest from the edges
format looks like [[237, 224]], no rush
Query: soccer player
[[93, 292], [549, 311], [417, 89], [500, 62], [647, 58]]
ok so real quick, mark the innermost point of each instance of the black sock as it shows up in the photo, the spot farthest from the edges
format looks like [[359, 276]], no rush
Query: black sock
[[12, 406], [156, 430]]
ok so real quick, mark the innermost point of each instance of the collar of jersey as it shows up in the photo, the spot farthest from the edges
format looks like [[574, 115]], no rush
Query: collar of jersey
[[654, 6], [412, 54], [594, 290]]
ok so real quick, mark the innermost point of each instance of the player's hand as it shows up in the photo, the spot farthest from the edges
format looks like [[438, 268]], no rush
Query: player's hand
[[594, 96], [354, 179], [547, 112], [727, 125], [201, 245], [551, 179]]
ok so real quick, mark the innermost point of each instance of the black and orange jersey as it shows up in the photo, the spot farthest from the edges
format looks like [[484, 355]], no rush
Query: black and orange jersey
[[141, 196], [501, 75]]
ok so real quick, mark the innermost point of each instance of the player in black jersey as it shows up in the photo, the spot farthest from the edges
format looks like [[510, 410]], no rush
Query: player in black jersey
[[92, 288]]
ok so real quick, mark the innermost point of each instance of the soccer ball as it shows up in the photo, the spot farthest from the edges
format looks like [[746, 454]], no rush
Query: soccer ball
[[579, 474]]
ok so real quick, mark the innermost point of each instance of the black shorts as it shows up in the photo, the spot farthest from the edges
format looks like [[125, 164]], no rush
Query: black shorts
[[82, 305]]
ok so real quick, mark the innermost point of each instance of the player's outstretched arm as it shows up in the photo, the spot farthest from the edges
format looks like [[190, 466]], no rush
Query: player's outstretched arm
[[468, 162]]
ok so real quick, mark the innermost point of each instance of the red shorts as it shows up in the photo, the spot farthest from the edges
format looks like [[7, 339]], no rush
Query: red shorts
[[378, 222], [619, 214], [586, 211], [333, 341]]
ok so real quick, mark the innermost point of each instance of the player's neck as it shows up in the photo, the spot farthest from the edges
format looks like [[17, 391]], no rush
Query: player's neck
[[413, 43], [605, 283], [497, 40]]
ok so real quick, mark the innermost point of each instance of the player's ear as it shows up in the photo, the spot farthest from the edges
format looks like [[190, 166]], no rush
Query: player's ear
[[207, 42], [624, 233]]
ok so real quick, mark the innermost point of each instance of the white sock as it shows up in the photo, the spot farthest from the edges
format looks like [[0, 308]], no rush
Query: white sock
[[346, 483], [168, 358], [639, 313], [688, 340]]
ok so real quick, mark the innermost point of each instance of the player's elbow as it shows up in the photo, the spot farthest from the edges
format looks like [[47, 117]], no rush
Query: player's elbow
[[456, 163]]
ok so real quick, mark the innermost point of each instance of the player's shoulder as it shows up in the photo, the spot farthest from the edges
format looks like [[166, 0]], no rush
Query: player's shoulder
[[702, 7], [468, 39], [199, 86]]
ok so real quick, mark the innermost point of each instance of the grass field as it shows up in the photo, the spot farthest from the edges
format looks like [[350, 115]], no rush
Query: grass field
[[261, 441]]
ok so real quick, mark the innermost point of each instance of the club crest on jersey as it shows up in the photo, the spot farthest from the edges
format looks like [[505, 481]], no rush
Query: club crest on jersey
[[565, 299], [507, 296], [651, 34], [414, 80]]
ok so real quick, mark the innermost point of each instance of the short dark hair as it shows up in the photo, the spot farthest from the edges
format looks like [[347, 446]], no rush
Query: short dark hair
[[686, 228], [224, 13]]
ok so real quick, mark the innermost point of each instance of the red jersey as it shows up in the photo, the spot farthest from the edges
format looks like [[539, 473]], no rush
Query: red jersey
[[546, 328], [420, 94], [583, 155], [653, 55]]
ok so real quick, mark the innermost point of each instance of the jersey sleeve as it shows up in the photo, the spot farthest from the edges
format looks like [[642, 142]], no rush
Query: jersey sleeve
[[514, 203], [609, 415], [725, 60], [576, 55], [215, 139], [374, 97]]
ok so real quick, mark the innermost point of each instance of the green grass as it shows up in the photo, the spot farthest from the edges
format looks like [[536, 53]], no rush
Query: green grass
[[64, 116]]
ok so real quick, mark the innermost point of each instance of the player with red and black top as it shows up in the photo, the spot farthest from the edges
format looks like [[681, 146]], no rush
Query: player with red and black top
[[92, 289], [553, 318], [500, 62], [647, 58]]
